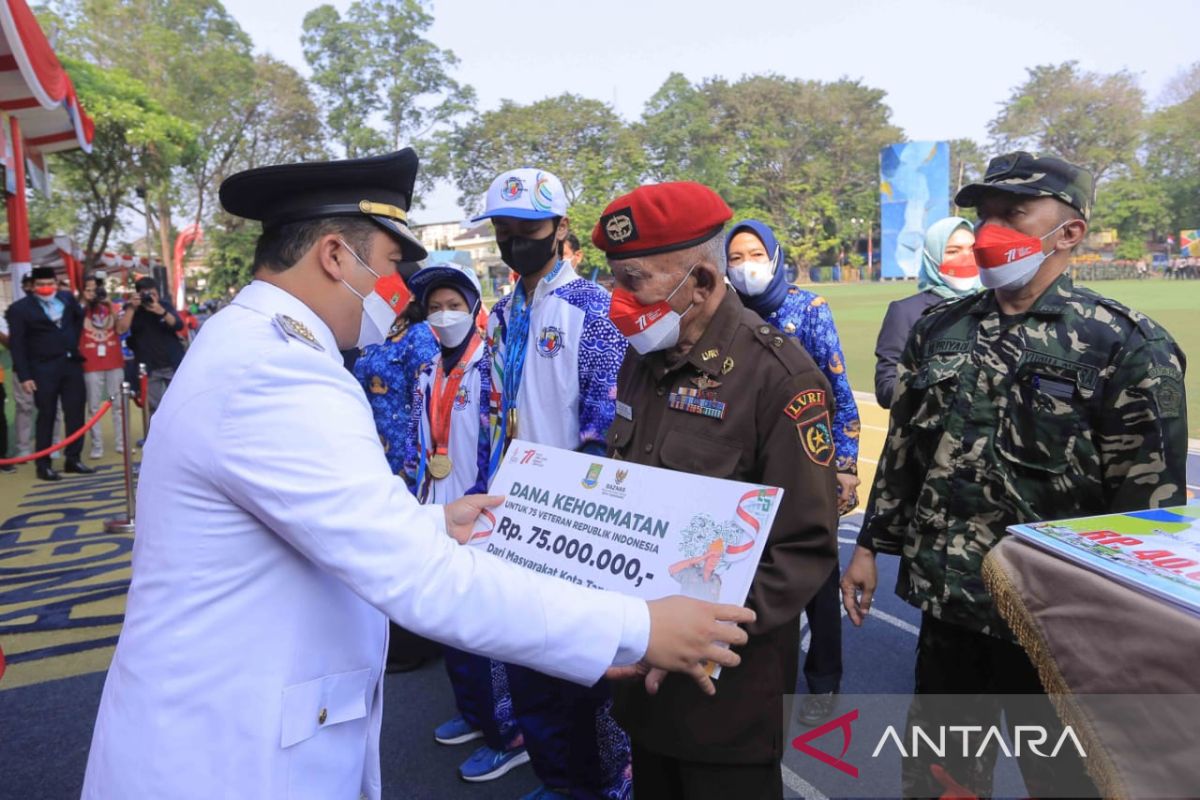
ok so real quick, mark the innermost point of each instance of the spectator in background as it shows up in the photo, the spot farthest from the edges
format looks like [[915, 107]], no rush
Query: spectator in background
[[3, 398], [22, 400], [948, 271], [154, 328], [572, 253], [103, 362], [44, 331]]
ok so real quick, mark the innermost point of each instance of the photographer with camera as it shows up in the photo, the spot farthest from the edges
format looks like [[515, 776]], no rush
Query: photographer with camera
[[103, 363], [154, 328]]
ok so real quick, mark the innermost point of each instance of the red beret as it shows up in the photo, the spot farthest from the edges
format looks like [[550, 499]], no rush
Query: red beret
[[660, 218]]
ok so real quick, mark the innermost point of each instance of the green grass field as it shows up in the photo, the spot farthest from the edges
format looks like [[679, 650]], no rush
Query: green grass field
[[858, 310]]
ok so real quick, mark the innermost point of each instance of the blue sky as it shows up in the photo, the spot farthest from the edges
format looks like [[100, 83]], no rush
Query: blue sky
[[944, 65]]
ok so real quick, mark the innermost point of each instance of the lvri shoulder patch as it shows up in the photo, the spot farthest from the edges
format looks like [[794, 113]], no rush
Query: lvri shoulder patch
[[809, 398], [1169, 398], [816, 437]]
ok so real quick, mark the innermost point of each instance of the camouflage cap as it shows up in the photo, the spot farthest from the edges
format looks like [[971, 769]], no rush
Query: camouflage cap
[[1023, 173]]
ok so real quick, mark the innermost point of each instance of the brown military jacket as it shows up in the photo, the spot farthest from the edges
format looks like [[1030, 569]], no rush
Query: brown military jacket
[[768, 421]]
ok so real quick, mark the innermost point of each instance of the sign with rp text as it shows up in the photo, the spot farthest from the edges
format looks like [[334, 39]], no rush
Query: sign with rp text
[[624, 527]]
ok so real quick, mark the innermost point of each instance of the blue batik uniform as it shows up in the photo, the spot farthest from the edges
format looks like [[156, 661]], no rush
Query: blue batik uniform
[[807, 317], [554, 361], [388, 374]]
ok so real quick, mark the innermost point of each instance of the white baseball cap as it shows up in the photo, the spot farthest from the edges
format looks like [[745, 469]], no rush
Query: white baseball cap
[[525, 193]]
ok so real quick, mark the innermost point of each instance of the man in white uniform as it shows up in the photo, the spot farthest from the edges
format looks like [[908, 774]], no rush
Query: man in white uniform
[[272, 538]]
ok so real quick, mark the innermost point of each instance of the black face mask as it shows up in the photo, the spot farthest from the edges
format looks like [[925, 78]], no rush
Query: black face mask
[[527, 256]]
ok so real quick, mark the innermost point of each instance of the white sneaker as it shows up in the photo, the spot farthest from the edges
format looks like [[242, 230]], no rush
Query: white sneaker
[[96, 454]]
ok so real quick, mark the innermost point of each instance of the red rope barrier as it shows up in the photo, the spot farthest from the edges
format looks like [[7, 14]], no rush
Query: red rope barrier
[[5, 462], [143, 389]]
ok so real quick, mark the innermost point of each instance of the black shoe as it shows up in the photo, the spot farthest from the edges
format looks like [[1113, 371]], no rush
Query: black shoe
[[816, 708], [48, 474], [6, 468], [78, 466]]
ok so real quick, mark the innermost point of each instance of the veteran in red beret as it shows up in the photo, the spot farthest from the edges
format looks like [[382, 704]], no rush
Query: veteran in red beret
[[707, 387]]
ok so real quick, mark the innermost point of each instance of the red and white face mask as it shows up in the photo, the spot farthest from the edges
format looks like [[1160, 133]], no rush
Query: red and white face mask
[[1008, 259], [648, 328], [961, 272]]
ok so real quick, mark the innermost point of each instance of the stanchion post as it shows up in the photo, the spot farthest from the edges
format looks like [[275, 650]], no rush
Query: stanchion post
[[144, 388], [125, 525]]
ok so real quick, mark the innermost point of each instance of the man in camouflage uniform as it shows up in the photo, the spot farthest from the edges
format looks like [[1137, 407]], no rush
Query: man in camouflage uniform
[[1035, 400]]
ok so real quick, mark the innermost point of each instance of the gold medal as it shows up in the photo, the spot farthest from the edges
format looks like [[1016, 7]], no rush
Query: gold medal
[[440, 465], [512, 424]]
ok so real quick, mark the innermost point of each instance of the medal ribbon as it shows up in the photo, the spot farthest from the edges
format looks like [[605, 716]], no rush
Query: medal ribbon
[[441, 398]]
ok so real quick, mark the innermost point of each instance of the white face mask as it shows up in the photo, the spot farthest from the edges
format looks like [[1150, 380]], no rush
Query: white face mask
[[378, 316], [1014, 275], [752, 278], [451, 327], [648, 328], [961, 285]]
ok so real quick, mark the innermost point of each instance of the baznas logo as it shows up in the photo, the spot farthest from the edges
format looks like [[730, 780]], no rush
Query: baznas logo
[[512, 189], [622, 474], [593, 476], [550, 342]]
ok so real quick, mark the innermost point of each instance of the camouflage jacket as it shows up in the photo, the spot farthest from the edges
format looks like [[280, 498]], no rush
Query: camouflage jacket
[[1074, 408]]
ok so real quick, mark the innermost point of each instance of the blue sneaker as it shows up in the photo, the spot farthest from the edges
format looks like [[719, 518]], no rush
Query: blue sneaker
[[546, 793], [486, 764], [456, 731]]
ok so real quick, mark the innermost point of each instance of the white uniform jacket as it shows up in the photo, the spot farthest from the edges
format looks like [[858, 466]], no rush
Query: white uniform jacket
[[271, 540], [567, 396]]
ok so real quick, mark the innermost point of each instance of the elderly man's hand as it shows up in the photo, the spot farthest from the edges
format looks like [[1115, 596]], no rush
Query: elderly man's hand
[[685, 634], [462, 513], [847, 496]]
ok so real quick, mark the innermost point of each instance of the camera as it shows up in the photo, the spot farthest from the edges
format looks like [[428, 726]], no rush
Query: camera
[[101, 293], [147, 298]]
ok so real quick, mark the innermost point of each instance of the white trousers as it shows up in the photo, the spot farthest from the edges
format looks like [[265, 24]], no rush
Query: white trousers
[[101, 385]]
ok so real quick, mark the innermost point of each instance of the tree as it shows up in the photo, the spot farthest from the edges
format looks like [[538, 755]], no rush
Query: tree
[[681, 134], [1087, 118], [195, 61], [968, 163], [285, 127], [135, 139], [1136, 207], [375, 61], [581, 141], [1173, 151], [801, 155]]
